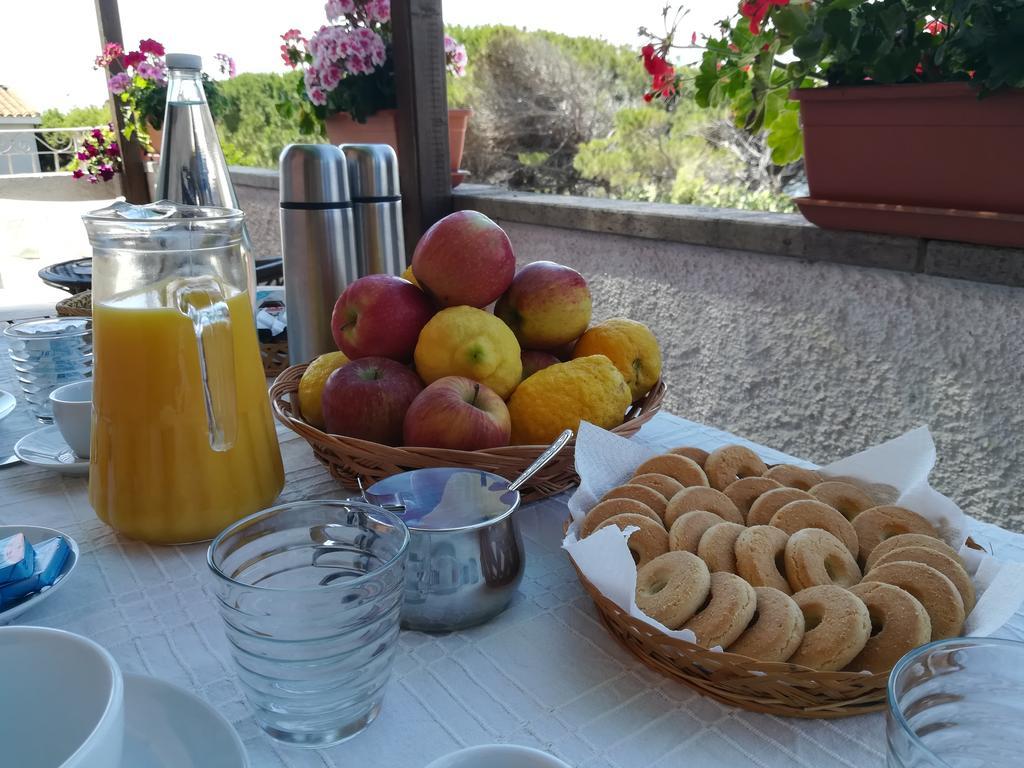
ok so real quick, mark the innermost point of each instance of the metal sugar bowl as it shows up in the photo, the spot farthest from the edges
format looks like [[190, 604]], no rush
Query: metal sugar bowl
[[466, 555]]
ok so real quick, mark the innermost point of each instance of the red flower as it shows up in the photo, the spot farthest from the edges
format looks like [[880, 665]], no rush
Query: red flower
[[132, 59], [756, 10], [151, 46], [936, 27], [663, 74]]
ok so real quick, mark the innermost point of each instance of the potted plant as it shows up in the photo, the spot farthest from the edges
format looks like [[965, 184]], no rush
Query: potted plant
[[142, 89], [348, 86], [98, 157], [905, 112]]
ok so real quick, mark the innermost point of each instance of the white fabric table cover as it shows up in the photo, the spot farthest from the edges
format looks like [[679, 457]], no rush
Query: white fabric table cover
[[545, 673]]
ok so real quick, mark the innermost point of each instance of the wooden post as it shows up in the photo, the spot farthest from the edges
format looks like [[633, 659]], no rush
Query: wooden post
[[418, 46], [133, 177]]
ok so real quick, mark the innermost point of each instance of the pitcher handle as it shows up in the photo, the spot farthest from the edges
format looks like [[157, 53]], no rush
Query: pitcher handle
[[202, 300]]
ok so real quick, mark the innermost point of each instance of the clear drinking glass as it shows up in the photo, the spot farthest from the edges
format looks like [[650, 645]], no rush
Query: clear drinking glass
[[47, 354], [957, 703], [310, 593]]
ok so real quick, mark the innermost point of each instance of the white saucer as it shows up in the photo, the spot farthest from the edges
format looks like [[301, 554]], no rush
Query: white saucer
[[168, 727], [498, 756], [7, 403], [35, 534], [46, 448]]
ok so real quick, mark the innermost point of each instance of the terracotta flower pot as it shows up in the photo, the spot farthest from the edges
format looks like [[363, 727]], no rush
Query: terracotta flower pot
[[382, 128], [896, 158], [156, 137]]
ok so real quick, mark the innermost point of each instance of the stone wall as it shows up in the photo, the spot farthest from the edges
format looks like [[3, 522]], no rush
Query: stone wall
[[822, 360]]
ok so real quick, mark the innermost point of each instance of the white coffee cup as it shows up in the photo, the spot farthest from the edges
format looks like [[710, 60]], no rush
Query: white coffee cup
[[72, 413], [61, 699]]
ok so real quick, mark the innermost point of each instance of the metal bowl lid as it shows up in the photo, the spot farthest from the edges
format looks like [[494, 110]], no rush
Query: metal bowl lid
[[448, 498]]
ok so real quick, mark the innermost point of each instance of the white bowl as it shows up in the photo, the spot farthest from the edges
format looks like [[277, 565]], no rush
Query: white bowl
[[498, 756], [61, 701], [72, 413]]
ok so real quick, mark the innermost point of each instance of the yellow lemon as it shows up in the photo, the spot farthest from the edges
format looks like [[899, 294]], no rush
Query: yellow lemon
[[408, 275], [561, 396], [311, 386], [628, 344], [466, 341]]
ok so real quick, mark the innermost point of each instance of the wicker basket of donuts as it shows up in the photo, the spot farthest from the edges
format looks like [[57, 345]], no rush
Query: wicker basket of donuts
[[808, 589]]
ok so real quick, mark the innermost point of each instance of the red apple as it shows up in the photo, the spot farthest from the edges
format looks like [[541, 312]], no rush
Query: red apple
[[547, 305], [380, 316], [367, 398], [465, 258], [534, 360], [458, 413]]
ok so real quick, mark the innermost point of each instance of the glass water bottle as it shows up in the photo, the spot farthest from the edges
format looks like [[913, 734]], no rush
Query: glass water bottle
[[193, 170]]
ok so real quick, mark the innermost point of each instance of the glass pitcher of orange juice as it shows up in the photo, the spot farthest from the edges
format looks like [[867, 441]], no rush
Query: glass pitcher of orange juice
[[183, 442]]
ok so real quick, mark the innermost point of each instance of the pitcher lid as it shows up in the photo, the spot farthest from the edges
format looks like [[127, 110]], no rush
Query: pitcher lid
[[159, 211]]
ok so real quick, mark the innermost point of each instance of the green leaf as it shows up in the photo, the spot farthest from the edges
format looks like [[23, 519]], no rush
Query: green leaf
[[785, 138], [808, 45], [791, 20]]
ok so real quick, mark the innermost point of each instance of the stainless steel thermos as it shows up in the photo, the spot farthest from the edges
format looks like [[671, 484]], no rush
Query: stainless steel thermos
[[318, 244], [376, 207]]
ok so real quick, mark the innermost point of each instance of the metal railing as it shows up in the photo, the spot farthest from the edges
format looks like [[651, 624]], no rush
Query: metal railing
[[40, 150]]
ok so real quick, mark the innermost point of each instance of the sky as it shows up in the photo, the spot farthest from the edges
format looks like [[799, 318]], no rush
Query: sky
[[48, 62]]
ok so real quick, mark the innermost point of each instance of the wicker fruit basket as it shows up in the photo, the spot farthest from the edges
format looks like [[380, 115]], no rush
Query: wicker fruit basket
[[349, 458]]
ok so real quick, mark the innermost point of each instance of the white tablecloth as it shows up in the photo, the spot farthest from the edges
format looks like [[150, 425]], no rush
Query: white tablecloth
[[545, 673]]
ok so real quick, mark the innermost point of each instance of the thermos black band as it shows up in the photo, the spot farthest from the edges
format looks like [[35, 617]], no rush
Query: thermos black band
[[314, 206], [384, 199]]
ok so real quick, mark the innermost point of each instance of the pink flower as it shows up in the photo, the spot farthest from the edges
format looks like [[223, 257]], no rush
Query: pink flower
[[133, 59], [226, 64], [92, 178], [110, 52], [936, 27], [335, 9], [151, 46], [455, 56], [91, 150], [83, 156], [330, 77], [97, 133], [379, 10], [77, 173], [119, 82], [293, 34], [317, 96], [157, 73], [113, 150]]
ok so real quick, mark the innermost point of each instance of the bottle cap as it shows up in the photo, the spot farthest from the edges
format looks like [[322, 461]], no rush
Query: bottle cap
[[184, 61], [373, 172], [314, 176]]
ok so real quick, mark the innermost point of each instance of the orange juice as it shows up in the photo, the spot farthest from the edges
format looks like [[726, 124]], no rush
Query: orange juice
[[153, 474]]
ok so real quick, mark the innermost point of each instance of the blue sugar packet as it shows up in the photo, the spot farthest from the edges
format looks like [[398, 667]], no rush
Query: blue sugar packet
[[50, 558], [17, 558]]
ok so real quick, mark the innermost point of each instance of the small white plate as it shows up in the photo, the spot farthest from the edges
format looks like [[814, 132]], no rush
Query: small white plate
[[35, 534], [498, 756], [46, 448], [7, 403], [168, 727]]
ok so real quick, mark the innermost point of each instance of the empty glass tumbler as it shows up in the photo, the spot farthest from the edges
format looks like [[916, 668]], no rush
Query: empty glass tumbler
[[47, 354], [957, 703], [310, 594]]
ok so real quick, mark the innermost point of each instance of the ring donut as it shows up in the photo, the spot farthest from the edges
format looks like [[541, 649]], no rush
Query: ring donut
[[776, 630], [730, 463], [672, 587], [728, 612], [699, 455], [846, 498], [684, 471], [744, 492], [934, 591], [717, 547], [647, 543], [642, 493], [611, 507], [837, 627], [815, 557], [663, 484], [767, 504], [910, 540], [760, 553], [798, 515], [708, 499], [793, 476], [686, 531], [877, 524], [942, 563], [899, 623]]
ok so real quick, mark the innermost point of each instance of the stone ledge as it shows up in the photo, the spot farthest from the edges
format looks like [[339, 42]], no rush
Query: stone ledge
[[777, 234]]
